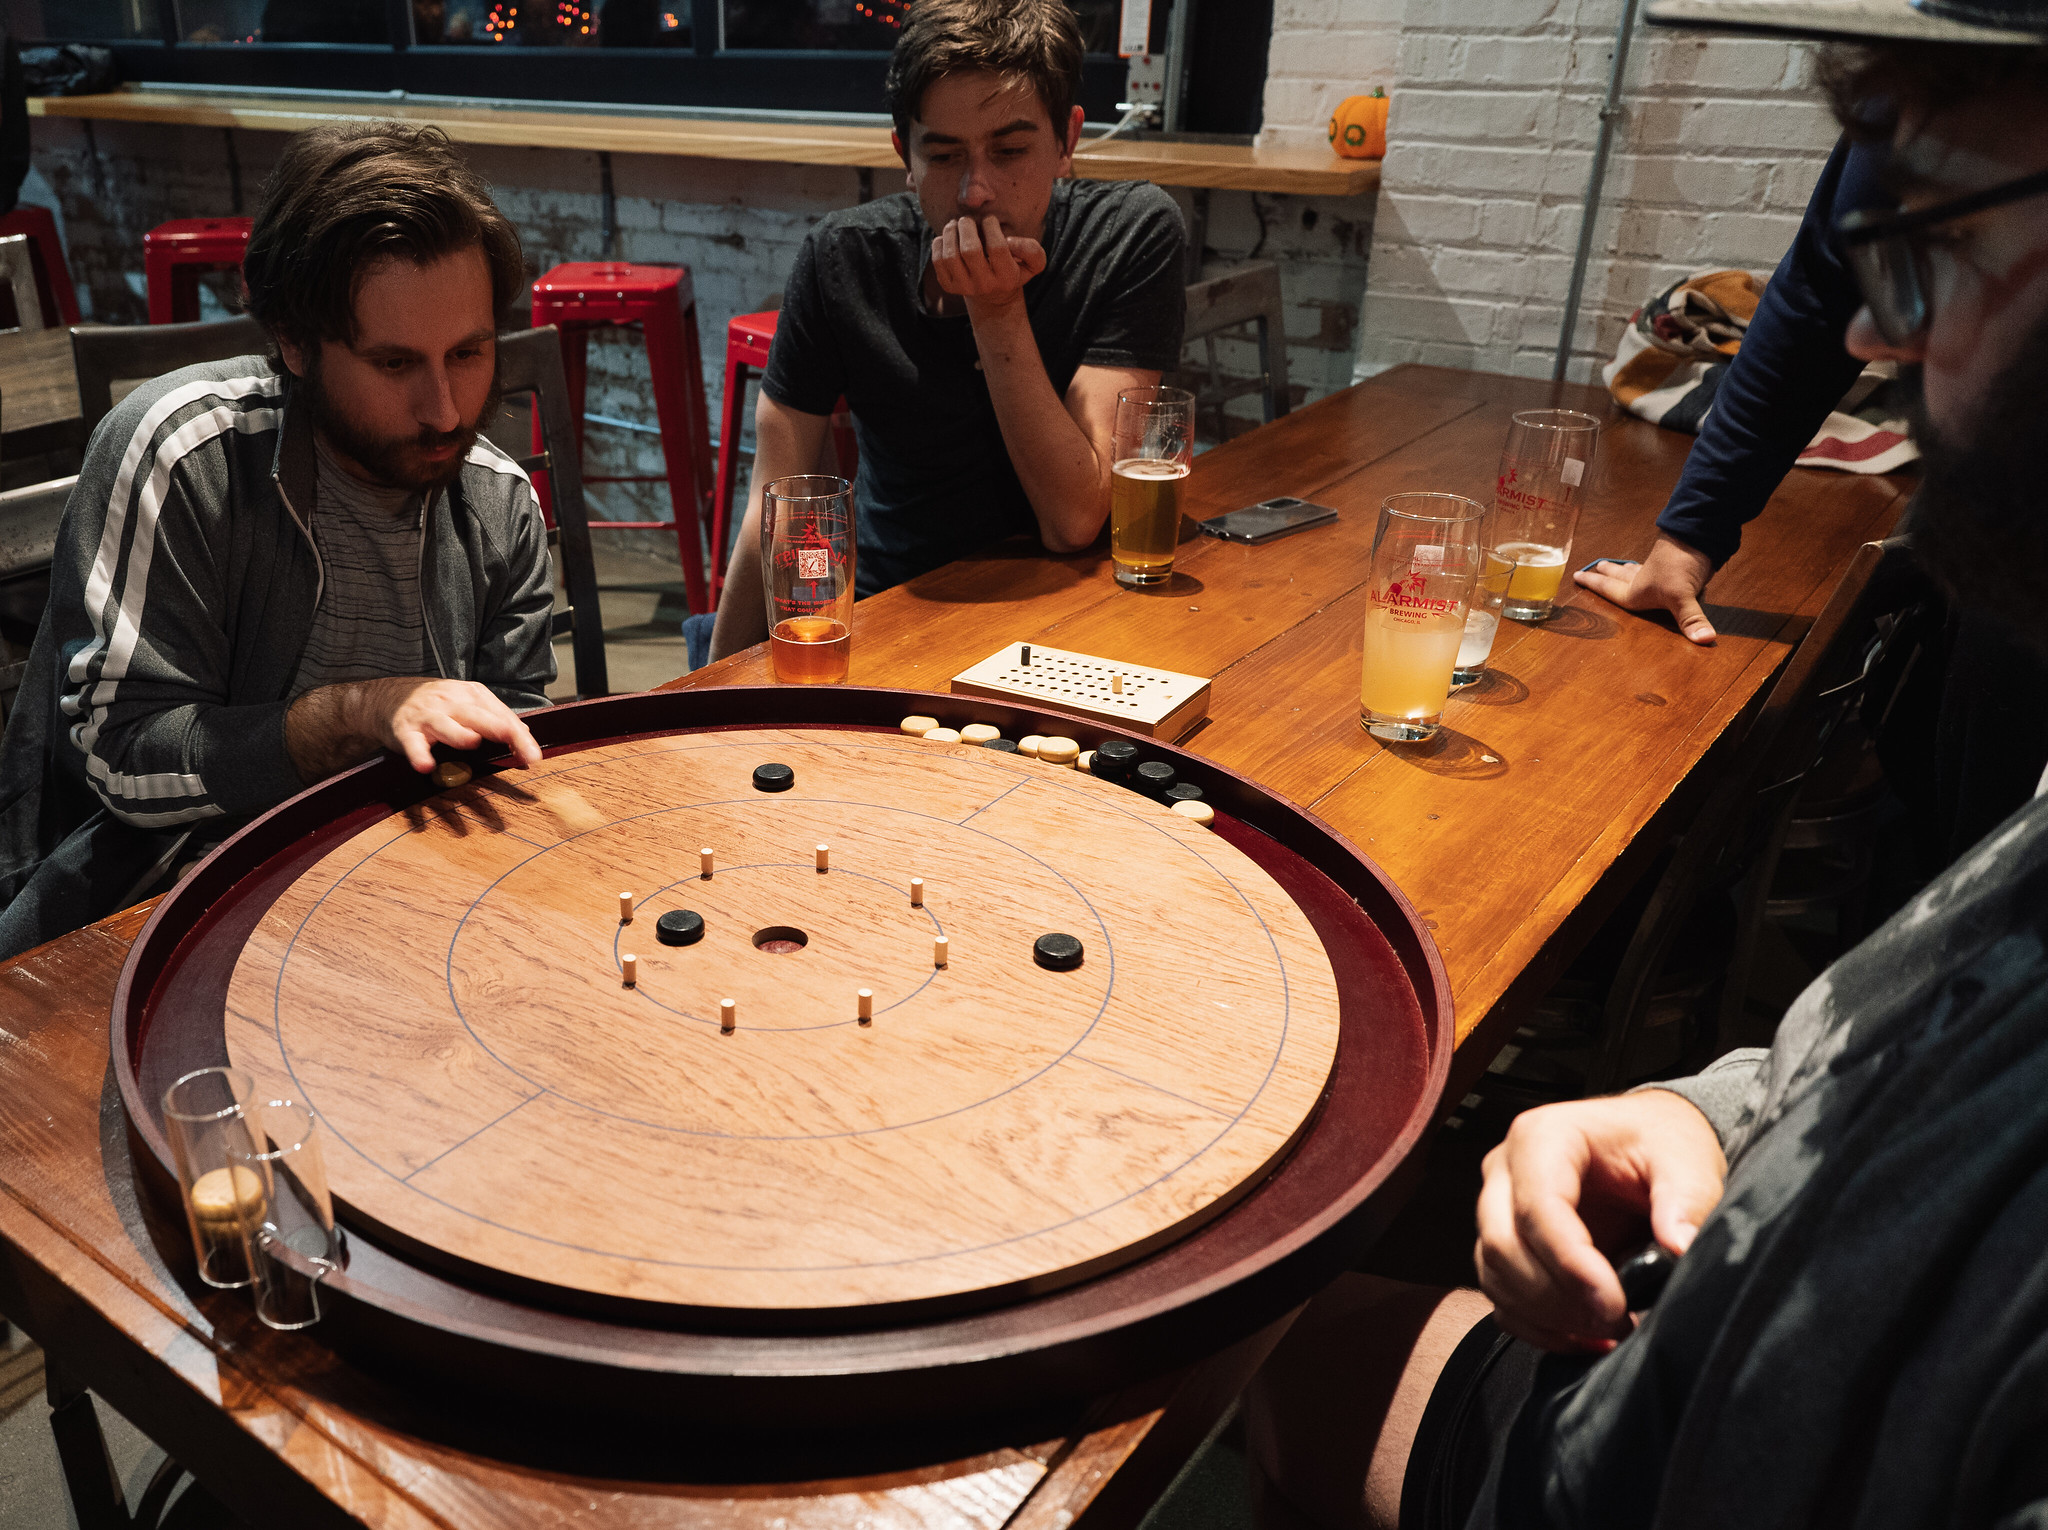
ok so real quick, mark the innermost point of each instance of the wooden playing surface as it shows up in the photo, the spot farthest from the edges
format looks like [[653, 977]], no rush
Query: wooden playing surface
[[444, 989]]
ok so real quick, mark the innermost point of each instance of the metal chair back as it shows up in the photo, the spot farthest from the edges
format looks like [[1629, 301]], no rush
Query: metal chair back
[[106, 354], [531, 362]]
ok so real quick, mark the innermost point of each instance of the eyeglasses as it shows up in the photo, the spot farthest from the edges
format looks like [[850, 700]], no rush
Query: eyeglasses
[[1895, 259]]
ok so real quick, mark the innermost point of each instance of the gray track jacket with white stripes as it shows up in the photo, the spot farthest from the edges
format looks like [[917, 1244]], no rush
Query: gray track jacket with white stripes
[[181, 597]]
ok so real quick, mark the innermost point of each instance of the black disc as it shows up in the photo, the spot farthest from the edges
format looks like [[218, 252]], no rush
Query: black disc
[[679, 927], [1114, 759], [1183, 791], [1000, 745], [1153, 778], [773, 778], [1061, 953]]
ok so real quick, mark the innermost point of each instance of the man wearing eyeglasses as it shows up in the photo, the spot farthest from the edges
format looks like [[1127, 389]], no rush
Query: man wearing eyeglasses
[[1856, 1329]]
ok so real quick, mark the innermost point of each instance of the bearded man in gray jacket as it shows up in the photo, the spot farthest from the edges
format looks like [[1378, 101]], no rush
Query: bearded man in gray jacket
[[275, 567], [1856, 1332]]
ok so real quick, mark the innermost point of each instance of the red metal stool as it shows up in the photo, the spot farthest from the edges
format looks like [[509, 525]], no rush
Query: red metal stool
[[580, 297], [173, 255], [46, 251], [747, 339]]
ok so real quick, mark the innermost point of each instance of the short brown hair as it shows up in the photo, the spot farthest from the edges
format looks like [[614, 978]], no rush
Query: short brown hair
[[1873, 85], [1034, 40], [344, 197]]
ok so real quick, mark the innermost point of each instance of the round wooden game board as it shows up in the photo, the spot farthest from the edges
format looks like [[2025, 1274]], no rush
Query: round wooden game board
[[444, 989]]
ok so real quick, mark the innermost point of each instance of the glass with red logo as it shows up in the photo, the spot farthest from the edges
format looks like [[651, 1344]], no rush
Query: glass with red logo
[[807, 553], [1545, 468], [1426, 557]]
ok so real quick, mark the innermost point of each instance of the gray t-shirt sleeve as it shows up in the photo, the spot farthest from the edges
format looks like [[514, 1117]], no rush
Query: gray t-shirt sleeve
[[1146, 307], [806, 371], [1721, 1090]]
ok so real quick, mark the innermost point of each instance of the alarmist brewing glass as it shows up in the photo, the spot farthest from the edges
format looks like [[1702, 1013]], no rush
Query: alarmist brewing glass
[[1426, 556], [1544, 470], [204, 1118], [294, 1244], [807, 559], [1154, 446]]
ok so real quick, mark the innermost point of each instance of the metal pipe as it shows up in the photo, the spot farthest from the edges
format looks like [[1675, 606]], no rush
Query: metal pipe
[[1610, 113]]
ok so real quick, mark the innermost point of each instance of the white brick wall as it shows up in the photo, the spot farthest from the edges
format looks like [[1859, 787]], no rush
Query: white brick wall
[[1323, 51], [1492, 129]]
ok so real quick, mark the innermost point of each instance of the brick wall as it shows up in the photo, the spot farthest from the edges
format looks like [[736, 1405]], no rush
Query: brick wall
[[1495, 114], [1496, 108], [1323, 51]]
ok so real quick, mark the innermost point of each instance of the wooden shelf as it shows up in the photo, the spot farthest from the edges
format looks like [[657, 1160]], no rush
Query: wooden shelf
[[1303, 171]]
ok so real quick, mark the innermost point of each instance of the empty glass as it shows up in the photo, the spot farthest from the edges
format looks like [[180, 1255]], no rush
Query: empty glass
[[294, 1241], [1544, 468], [222, 1195]]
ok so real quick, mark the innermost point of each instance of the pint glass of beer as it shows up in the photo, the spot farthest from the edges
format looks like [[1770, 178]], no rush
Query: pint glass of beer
[[1544, 472], [1426, 556], [1154, 447], [807, 538]]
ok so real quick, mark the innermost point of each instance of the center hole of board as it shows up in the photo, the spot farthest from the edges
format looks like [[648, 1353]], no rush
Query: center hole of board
[[780, 939]]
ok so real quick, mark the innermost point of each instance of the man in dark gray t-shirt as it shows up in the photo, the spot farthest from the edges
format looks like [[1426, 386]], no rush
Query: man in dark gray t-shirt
[[980, 325]]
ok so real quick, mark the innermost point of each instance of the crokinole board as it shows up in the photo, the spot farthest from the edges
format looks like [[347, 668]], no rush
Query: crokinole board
[[444, 990], [1014, 1182]]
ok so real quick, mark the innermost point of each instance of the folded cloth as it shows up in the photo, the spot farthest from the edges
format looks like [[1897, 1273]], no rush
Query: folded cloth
[[1677, 347]]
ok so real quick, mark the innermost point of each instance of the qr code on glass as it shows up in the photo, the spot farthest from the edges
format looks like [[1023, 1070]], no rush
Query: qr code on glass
[[813, 563]]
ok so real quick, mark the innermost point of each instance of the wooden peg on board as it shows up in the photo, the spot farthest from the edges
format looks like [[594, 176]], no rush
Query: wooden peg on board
[[625, 908], [629, 968], [704, 863], [867, 1005], [917, 892], [728, 1015], [939, 951]]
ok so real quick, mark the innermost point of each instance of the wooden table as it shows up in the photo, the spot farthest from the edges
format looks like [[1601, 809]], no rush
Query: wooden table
[[1246, 167], [38, 394], [1554, 780], [1512, 833]]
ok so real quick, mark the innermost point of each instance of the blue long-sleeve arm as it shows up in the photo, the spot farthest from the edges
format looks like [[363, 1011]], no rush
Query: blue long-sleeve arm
[[1790, 371]]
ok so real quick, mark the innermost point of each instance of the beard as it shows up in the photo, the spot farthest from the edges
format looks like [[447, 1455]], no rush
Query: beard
[[1980, 519], [396, 462]]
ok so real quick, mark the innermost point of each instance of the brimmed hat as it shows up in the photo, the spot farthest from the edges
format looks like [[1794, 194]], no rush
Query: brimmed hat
[[1970, 21]]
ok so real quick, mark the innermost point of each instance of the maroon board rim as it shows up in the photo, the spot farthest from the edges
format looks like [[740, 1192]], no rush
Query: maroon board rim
[[1273, 1247]]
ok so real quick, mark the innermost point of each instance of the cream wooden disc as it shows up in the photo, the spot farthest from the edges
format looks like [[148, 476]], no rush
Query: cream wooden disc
[[444, 989]]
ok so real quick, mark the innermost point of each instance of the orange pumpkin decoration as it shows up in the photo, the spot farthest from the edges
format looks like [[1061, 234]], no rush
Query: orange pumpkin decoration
[[1359, 128]]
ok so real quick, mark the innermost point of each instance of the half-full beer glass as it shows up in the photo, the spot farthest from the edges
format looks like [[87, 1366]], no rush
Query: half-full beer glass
[[1154, 446], [807, 558], [1544, 470], [1426, 556]]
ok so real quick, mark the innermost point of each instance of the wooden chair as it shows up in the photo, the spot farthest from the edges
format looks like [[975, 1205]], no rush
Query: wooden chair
[[1728, 844], [1246, 295], [106, 354], [28, 541], [530, 362]]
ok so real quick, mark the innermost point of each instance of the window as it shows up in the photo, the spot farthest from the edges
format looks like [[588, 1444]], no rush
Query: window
[[773, 55]]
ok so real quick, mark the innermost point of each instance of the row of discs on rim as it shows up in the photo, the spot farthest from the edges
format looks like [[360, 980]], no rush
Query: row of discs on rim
[[1115, 760]]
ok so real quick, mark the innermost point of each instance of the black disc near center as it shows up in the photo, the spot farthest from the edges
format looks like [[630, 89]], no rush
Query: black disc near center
[[773, 778], [679, 927], [1059, 953]]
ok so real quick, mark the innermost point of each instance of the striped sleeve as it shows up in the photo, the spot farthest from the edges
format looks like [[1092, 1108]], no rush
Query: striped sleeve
[[144, 694]]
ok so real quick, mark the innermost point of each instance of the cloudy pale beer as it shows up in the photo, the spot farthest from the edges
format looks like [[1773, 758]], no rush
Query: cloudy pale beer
[[1408, 662], [810, 650], [1144, 518]]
